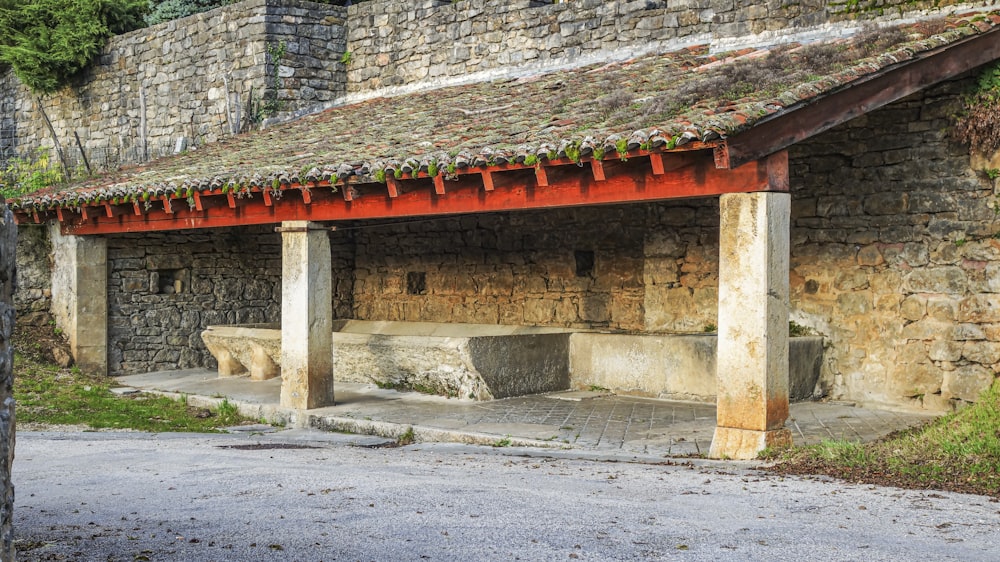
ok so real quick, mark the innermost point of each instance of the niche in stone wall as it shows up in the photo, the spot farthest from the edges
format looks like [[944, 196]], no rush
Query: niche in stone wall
[[584, 263], [416, 283], [169, 275], [169, 281]]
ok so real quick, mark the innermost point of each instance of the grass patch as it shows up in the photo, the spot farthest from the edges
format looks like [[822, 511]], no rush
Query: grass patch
[[957, 452], [407, 438], [49, 395]]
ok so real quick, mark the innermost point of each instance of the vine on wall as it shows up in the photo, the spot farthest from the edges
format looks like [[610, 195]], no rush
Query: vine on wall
[[978, 125]]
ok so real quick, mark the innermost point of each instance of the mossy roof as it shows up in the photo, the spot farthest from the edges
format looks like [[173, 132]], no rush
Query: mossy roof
[[661, 101]]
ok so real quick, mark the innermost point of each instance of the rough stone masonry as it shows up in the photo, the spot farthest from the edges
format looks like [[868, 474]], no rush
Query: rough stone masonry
[[8, 245]]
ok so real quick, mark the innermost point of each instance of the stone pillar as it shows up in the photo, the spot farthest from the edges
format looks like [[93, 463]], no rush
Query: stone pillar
[[752, 364], [80, 297], [306, 316], [8, 243]]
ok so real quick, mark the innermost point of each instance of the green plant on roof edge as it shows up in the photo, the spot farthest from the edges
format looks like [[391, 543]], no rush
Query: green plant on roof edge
[[621, 145], [573, 151]]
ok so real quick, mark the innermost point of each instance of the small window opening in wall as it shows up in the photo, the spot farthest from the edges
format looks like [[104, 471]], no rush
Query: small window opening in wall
[[167, 281], [416, 283], [584, 263]]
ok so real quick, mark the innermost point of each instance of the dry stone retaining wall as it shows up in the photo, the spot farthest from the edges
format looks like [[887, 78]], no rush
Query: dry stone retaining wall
[[399, 43], [894, 258], [182, 83], [574, 268]]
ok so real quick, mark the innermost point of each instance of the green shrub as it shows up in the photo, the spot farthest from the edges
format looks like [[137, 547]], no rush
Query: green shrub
[[27, 175], [48, 42]]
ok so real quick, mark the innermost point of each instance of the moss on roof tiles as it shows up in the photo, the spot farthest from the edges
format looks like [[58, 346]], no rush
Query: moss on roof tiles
[[684, 95]]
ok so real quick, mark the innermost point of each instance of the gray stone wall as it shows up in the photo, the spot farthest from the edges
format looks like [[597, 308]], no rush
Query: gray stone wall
[[192, 80], [224, 276], [399, 43], [8, 245], [33, 298]]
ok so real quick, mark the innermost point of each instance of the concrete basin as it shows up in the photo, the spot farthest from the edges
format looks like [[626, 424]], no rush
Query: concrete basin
[[484, 362], [476, 361]]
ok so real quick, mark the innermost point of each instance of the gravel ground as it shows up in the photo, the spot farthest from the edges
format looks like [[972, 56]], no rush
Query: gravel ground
[[133, 496]]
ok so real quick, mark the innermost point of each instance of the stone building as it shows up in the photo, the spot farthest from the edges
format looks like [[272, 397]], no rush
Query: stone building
[[631, 168]]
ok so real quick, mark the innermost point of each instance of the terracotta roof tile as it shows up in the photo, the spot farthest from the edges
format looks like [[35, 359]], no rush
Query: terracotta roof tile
[[660, 101]]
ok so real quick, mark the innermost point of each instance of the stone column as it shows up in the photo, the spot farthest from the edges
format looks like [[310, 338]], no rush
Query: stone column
[[80, 297], [8, 243], [306, 316], [752, 364]]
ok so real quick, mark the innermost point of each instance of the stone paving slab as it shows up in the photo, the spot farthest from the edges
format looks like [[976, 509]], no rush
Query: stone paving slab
[[593, 421]]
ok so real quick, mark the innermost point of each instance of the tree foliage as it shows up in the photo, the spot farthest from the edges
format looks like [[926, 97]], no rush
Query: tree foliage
[[48, 42]]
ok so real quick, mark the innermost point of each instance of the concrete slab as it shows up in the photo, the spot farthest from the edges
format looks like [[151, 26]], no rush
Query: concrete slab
[[604, 423], [125, 390]]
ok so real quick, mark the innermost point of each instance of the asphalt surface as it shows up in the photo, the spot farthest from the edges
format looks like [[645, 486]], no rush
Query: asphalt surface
[[309, 496]]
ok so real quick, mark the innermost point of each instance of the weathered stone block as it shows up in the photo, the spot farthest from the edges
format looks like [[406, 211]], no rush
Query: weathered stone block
[[984, 352], [913, 307], [979, 308], [910, 379], [951, 280], [870, 256], [966, 383]]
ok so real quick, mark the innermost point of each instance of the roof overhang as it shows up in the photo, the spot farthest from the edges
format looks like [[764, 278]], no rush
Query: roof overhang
[[752, 160], [642, 177], [862, 96]]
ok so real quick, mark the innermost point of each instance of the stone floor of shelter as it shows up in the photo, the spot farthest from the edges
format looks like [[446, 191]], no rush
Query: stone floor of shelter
[[584, 420]]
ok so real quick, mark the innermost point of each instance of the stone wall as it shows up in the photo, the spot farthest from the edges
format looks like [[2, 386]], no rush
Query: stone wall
[[894, 257], [225, 276], [33, 298], [575, 268], [183, 83], [8, 245], [639, 268], [395, 44]]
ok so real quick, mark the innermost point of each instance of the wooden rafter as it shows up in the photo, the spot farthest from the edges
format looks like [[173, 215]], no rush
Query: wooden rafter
[[515, 187]]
